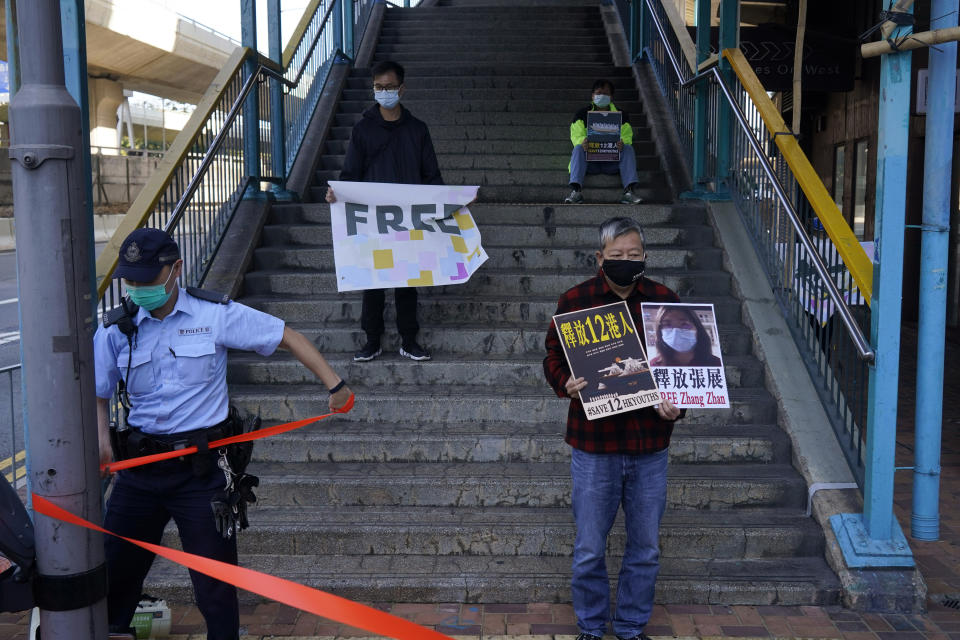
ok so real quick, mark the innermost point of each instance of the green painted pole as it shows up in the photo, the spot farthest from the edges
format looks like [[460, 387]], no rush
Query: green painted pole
[[729, 39], [701, 105]]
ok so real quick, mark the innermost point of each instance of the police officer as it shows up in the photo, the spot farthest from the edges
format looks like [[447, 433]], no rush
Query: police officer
[[173, 368]]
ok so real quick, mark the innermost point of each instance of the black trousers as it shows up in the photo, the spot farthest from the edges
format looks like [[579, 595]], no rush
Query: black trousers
[[371, 316], [143, 501]]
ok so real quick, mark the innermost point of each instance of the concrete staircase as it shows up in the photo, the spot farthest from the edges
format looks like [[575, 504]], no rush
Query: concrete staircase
[[449, 481]]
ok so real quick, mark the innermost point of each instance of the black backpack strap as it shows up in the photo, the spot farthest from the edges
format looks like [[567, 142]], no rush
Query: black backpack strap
[[209, 296]]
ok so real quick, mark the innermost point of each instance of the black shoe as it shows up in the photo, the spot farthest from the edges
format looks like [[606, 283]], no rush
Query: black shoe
[[639, 636], [414, 351], [587, 636], [368, 351]]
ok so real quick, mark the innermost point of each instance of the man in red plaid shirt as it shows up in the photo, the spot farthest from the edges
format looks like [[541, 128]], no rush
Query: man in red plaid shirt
[[619, 460]]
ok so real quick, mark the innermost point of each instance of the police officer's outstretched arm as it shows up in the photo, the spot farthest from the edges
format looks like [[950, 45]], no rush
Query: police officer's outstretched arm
[[304, 351]]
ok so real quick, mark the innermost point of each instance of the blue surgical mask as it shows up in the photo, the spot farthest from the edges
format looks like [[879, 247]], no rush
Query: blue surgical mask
[[387, 99], [601, 100], [681, 340], [150, 297]]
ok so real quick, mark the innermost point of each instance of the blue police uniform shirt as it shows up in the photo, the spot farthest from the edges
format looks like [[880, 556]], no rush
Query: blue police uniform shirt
[[178, 369]]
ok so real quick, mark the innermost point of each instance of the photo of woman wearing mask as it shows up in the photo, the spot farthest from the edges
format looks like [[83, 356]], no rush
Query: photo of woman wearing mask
[[682, 340]]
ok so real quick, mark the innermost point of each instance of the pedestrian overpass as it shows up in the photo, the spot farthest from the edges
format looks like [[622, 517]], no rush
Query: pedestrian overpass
[[146, 47], [448, 481]]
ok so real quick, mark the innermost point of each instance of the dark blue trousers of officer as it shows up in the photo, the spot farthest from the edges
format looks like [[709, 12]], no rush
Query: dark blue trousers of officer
[[143, 501]]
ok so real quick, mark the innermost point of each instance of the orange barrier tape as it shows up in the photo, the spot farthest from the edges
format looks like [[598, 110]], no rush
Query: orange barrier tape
[[129, 463], [284, 591]]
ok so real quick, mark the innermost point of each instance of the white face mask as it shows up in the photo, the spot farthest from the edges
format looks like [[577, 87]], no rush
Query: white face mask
[[681, 340], [601, 100], [387, 99]]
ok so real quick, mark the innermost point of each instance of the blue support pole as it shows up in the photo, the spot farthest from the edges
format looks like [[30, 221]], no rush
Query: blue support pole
[[874, 538], [729, 39], [702, 98], [934, 259], [251, 108], [338, 30], [348, 28], [278, 156], [73, 24], [698, 172]]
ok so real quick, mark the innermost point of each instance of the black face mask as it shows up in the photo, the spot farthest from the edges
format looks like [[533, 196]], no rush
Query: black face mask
[[624, 272]]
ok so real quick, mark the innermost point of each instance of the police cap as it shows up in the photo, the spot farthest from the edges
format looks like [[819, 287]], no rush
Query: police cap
[[144, 253]]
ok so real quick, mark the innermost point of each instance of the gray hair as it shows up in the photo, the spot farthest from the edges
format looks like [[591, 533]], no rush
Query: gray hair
[[613, 228]]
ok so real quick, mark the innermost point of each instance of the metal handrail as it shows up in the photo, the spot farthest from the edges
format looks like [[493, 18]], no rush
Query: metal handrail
[[313, 45], [864, 350]]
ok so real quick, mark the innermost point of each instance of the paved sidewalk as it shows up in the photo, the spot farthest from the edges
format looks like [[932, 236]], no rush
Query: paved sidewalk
[[938, 561]]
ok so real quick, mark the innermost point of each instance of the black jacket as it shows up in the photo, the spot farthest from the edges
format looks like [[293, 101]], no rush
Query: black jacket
[[398, 151]]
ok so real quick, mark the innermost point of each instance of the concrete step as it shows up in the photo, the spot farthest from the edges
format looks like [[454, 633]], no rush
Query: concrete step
[[448, 310], [418, 93], [472, 127], [466, 338], [518, 236], [534, 125], [510, 532], [714, 488], [685, 282], [432, 578], [594, 193], [434, 111], [477, 49], [466, 56], [513, 69], [648, 215], [578, 85], [445, 368], [445, 404], [521, 10], [552, 147], [428, 108], [531, 177], [667, 257], [505, 442], [483, 38], [518, 160], [451, 21]]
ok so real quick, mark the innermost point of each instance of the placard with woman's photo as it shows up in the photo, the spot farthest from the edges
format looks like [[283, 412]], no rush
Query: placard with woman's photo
[[683, 345]]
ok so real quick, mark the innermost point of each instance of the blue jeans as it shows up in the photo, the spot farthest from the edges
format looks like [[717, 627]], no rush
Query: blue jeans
[[601, 483], [627, 167]]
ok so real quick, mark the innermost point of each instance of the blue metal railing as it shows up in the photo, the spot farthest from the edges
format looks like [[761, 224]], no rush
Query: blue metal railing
[[816, 291], [13, 463]]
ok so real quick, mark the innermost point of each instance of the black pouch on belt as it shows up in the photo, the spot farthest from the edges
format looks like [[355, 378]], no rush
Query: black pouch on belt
[[201, 460]]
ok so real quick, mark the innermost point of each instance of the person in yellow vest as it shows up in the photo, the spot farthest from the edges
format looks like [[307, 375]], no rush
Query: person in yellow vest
[[579, 167]]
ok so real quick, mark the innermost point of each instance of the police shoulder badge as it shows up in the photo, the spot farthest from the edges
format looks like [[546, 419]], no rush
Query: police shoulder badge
[[132, 254]]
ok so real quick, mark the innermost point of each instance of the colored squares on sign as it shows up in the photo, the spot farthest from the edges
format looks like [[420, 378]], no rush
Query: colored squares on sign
[[382, 259], [461, 273], [464, 221], [416, 234], [425, 280], [428, 260], [459, 245]]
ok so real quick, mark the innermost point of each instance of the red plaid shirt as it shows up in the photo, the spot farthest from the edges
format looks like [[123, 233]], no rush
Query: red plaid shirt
[[633, 432]]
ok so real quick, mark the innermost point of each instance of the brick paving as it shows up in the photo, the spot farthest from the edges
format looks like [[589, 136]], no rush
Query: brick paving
[[939, 563]]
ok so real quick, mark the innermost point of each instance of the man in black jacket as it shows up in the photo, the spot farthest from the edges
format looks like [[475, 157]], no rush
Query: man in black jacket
[[390, 145]]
